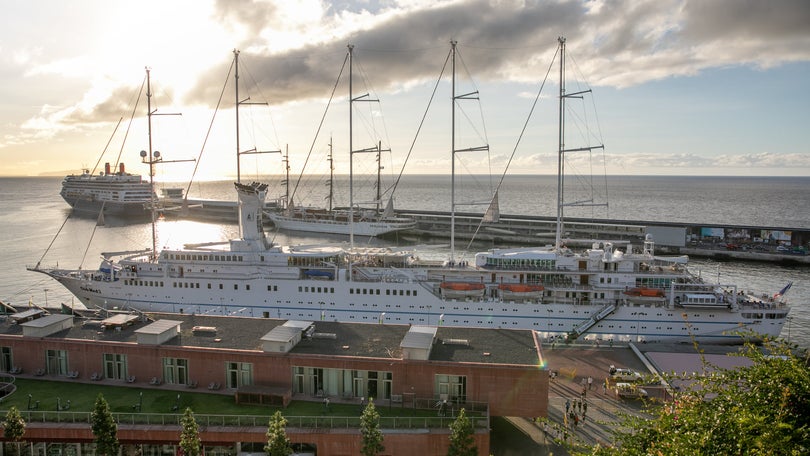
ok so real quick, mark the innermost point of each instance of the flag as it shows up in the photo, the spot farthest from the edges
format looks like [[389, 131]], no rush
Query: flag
[[783, 290]]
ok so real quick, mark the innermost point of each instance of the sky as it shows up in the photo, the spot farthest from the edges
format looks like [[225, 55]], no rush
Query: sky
[[679, 87]]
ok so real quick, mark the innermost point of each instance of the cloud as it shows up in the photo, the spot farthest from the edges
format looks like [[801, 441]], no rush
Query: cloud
[[294, 51], [617, 43]]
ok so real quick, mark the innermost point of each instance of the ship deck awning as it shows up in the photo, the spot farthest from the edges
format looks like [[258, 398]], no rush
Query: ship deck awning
[[119, 321]]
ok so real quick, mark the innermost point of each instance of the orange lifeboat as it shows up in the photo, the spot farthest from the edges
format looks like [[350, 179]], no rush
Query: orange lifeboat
[[462, 289], [645, 292], [520, 291]]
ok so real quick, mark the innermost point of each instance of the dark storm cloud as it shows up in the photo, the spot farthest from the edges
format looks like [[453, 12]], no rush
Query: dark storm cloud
[[409, 47], [751, 19], [619, 43]]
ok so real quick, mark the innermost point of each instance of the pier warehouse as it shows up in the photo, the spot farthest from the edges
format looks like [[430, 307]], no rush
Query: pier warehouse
[[267, 361]]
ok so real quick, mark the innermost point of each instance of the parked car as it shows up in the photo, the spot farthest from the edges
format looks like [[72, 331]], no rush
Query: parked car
[[623, 374], [630, 391]]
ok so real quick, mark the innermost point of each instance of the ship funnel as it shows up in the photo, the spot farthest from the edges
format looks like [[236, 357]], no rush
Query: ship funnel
[[251, 203], [107, 169], [121, 168]]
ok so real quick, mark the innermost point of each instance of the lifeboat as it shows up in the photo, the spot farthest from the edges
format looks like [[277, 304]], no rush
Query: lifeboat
[[519, 291], [463, 290], [645, 292]]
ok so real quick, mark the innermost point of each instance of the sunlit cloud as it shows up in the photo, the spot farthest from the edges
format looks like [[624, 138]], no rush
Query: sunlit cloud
[[293, 52]]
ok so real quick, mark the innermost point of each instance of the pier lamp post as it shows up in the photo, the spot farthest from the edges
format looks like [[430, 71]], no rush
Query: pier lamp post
[[46, 303]]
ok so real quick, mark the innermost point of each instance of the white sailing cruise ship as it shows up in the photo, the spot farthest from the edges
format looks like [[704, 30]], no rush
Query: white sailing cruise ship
[[604, 293], [601, 294]]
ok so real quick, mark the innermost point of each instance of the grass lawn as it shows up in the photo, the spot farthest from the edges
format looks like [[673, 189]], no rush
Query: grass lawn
[[82, 397]]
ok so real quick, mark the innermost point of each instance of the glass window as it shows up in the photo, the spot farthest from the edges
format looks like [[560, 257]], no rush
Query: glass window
[[175, 371], [115, 366]]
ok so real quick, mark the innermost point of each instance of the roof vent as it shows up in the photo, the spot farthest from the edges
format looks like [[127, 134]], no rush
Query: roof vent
[[455, 342]]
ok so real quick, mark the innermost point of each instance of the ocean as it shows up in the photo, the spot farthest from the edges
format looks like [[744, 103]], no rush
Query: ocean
[[37, 227]]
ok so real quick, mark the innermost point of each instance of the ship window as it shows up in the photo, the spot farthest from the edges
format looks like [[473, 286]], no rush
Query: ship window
[[209, 286], [220, 286], [407, 292], [365, 291], [377, 291], [247, 287], [161, 283], [414, 292], [400, 292], [300, 289], [331, 289], [235, 286]]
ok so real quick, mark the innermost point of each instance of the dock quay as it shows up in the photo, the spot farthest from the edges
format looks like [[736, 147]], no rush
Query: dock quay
[[722, 242]]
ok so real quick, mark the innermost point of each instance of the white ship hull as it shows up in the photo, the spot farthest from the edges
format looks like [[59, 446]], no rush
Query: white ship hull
[[317, 301], [336, 226]]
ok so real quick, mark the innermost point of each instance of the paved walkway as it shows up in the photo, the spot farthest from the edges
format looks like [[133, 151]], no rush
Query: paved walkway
[[598, 410]]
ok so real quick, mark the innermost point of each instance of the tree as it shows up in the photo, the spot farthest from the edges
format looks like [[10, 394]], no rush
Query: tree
[[461, 436], [14, 426], [760, 409], [190, 434], [278, 444], [104, 428], [370, 429]]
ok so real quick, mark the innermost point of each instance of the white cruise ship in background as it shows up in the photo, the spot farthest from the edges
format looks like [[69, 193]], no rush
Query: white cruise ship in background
[[118, 193]]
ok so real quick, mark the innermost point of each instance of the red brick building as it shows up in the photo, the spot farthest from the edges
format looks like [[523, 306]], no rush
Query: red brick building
[[275, 361]]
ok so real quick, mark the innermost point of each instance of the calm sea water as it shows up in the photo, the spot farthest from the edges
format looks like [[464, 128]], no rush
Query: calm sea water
[[32, 213]]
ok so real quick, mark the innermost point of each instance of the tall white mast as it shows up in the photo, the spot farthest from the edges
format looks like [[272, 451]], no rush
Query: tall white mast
[[561, 151], [246, 101]]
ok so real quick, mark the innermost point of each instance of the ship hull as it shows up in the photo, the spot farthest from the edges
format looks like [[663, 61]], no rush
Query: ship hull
[[341, 300], [334, 226]]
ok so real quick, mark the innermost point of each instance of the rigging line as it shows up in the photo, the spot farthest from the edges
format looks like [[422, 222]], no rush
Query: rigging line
[[320, 125], [132, 117], [519, 139], [102, 154], [134, 109], [598, 137], [317, 133], [54, 239], [208, 134], [421, 123], [92, 234], [484, 136], [263, 97], [108, 144]]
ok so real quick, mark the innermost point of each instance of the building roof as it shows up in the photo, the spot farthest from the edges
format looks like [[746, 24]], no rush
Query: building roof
[[453, 344]]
